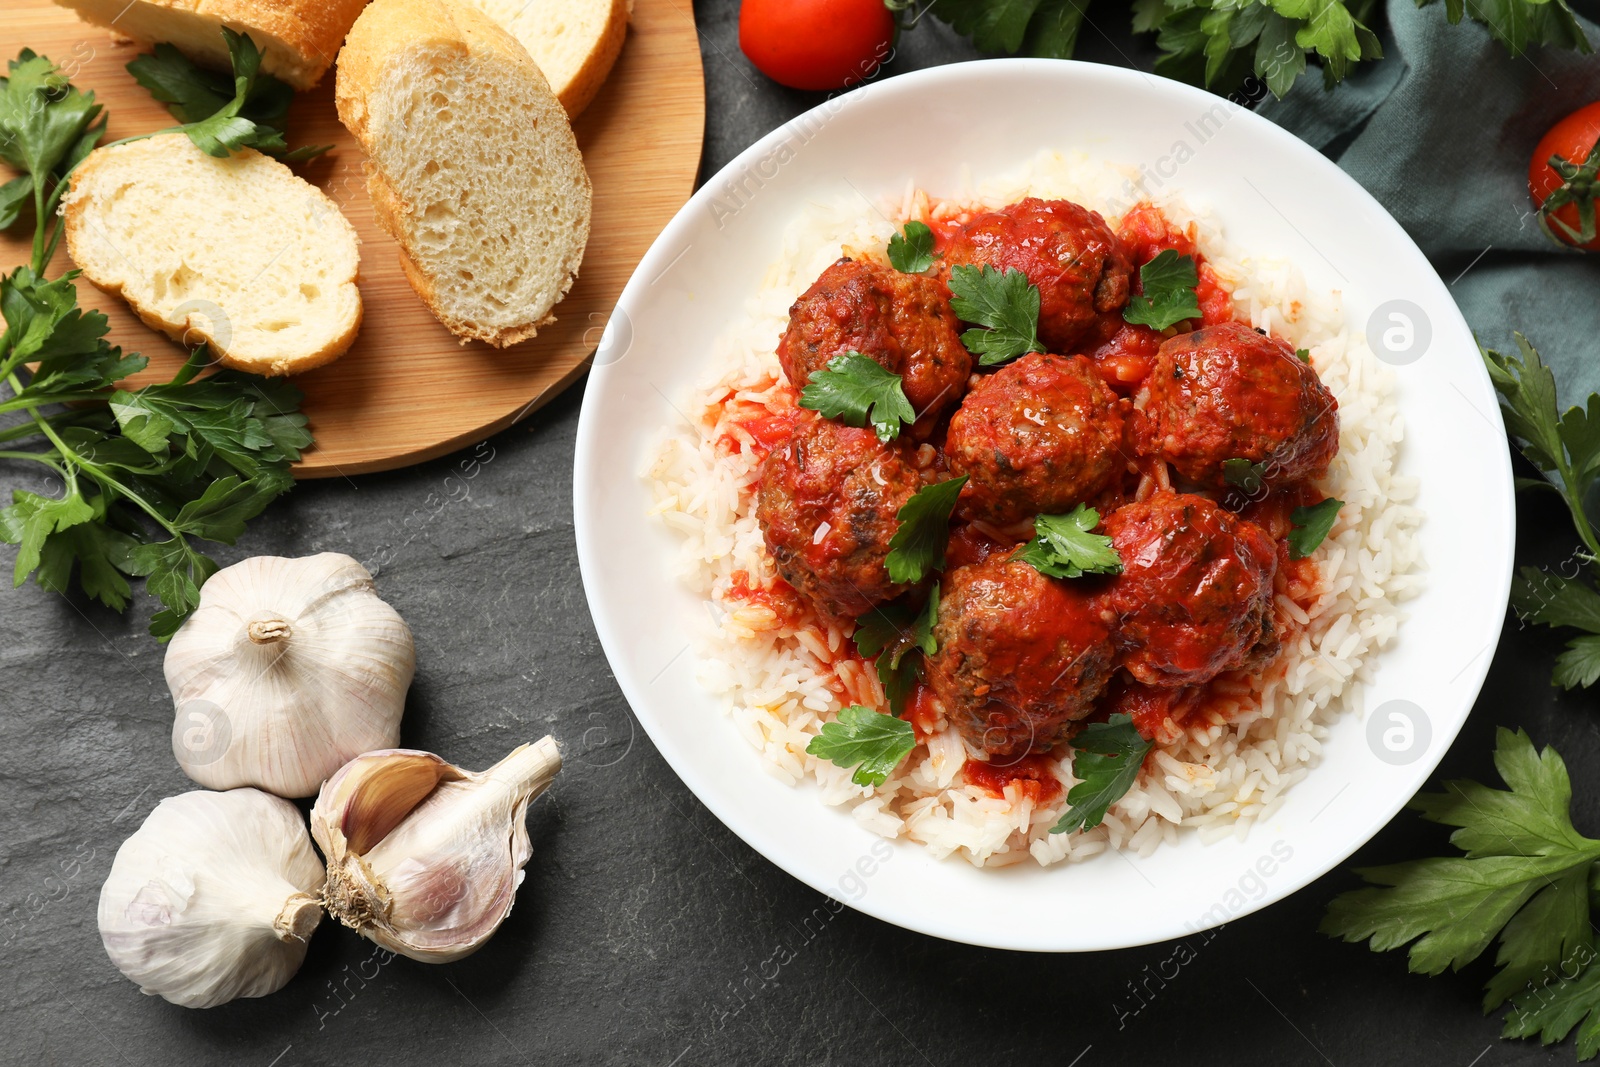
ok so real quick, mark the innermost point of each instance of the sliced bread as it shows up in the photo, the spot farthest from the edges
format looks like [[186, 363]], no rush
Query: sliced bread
[[239, 253], [298, 38], [575, 42], [472, 165]]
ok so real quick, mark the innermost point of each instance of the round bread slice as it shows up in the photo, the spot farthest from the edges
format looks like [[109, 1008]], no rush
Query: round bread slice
[[575, 42], [239, 253], [472, 165]]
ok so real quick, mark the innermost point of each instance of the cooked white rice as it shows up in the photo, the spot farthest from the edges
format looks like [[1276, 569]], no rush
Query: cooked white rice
[[1228, 770]]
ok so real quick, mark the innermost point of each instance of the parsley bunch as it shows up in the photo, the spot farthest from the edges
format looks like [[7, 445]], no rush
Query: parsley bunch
[[1222, 43], [1523, 879], [1565, 447], [136, 475]]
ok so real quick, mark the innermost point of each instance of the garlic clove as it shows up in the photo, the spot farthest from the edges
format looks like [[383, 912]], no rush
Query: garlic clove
[[428, 870], [386, 787], [212, 898], [286, 670]]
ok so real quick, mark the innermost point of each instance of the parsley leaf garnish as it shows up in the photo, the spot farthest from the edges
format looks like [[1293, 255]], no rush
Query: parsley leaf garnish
[[1007, 303], [856, 389], [1168, 297], [870, 741], [911, 250], [222, 114], [141, 472], [1106, 758], [898, 637], [1523, 879], [1303, 355], [1066, 546], [917, 547], [1311, 526], [1242, 474]]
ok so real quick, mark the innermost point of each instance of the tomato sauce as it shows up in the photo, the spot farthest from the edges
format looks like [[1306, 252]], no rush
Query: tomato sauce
[[1124, 360], [780, 598], [768, 423], [1034, 776], [969, 545], [923, 712]]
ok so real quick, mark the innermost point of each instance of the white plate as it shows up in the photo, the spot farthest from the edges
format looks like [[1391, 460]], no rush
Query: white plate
[[1274, 196]]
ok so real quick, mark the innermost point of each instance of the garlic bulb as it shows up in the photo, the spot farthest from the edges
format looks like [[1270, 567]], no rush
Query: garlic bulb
[[286, 670], [425, 858], [213, 898]]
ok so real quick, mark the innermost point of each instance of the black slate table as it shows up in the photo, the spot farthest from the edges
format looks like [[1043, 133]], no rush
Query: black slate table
[[646, 933]]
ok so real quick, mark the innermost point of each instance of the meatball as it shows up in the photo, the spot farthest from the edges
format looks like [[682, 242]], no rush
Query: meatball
[[902, 321], [1066, 250], [1042, 434], [1227, 392], [1020, 655], [827, 502], [1194, 597]]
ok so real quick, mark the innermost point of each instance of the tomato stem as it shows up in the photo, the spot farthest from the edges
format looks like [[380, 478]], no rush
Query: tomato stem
[[1579, 184]]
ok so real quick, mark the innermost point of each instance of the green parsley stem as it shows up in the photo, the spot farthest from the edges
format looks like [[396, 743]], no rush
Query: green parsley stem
[[1580, 518], [37, 457], [23, 403], [40, 225], [191, 367], [24, 430]]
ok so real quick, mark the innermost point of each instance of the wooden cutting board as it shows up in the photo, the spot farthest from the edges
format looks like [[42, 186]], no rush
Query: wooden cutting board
[[407, 391]]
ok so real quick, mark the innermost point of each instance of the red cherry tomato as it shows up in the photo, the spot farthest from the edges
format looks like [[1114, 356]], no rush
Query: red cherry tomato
[[1562, 178], [816, 44]]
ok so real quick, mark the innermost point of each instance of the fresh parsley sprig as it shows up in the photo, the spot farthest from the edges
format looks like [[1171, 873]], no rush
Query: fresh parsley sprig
[[1523, 879], [1167, 294], [911, 249], [917, 547], [47, 127], [870, 741], [858, 390], [1565, 447], [223, 114], [1005, 303], [142, 473], [1106, 758], [898, 637], [1066, 546]]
